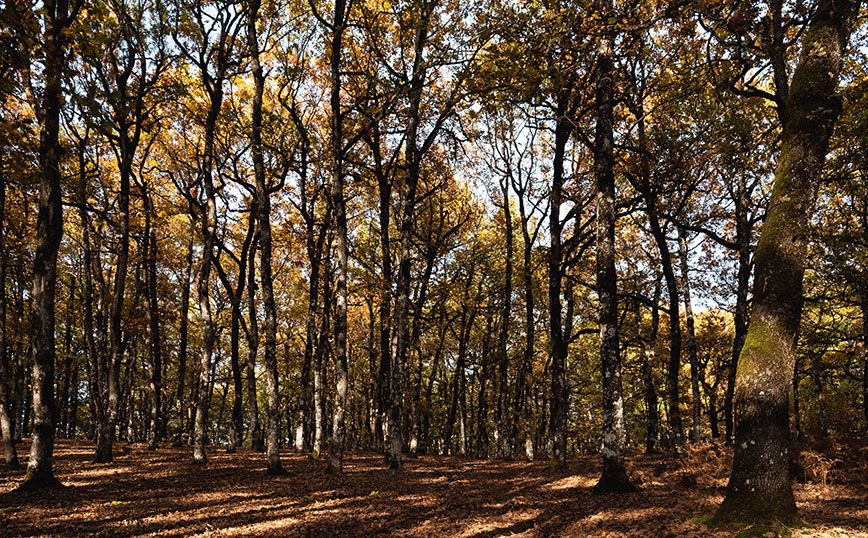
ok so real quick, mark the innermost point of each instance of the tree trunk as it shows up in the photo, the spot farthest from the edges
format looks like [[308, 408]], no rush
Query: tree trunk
[[49, 230], [523, 415], [649, 355], [614, 477], [320, 356], [67, 360], [759, 487], [503, 428], [150, 255], [182, 348], [864, 306], [336, 454], [817, 375], [412, 159], [263, 206], [257, 444], [695, 432], [482, 403], [7, 428], [559, 397], [209, 235], [740, 319]]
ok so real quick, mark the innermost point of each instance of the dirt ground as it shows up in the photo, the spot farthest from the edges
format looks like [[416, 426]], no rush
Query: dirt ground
[[160, 494]]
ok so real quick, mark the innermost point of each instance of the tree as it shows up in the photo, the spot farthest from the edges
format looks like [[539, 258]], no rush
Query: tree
[[58, 17], [759, 487], [614, 478]]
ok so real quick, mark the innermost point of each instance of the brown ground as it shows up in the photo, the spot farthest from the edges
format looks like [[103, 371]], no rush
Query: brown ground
[[160, 493]]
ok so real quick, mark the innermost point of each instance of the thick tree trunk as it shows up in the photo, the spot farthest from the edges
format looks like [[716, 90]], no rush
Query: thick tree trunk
[[412, 160], [49, 230], [695, 432], [614, 477], [759, 487]]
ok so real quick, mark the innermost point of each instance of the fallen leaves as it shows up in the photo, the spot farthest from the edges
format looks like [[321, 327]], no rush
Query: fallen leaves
[[158, 493]]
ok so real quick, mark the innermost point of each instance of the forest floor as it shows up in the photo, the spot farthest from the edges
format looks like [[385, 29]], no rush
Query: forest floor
[[160, 493]]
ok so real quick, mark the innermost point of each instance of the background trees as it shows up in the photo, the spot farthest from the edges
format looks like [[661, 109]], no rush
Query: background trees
[[385, 193]]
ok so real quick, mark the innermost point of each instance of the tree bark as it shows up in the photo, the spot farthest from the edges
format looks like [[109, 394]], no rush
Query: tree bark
[[6, 424], [741, 319], [614, 477], [182, 348], [257, 444], [695, 432], [49, 230], [336, 453], [523, 417], [559, 396], [412, 160], [209, 235], [263, 207], [482, 399], [863, 303], [759, 487], [502, 426], [150, 254], [649, 357]]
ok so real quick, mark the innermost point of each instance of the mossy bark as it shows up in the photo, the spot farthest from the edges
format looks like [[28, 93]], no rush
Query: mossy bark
[[759, 487]]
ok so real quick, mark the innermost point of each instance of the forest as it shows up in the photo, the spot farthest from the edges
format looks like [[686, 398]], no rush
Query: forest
[[434, 267]]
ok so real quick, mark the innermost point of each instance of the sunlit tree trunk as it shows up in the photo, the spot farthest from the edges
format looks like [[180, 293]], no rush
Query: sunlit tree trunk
[[614, 477]]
